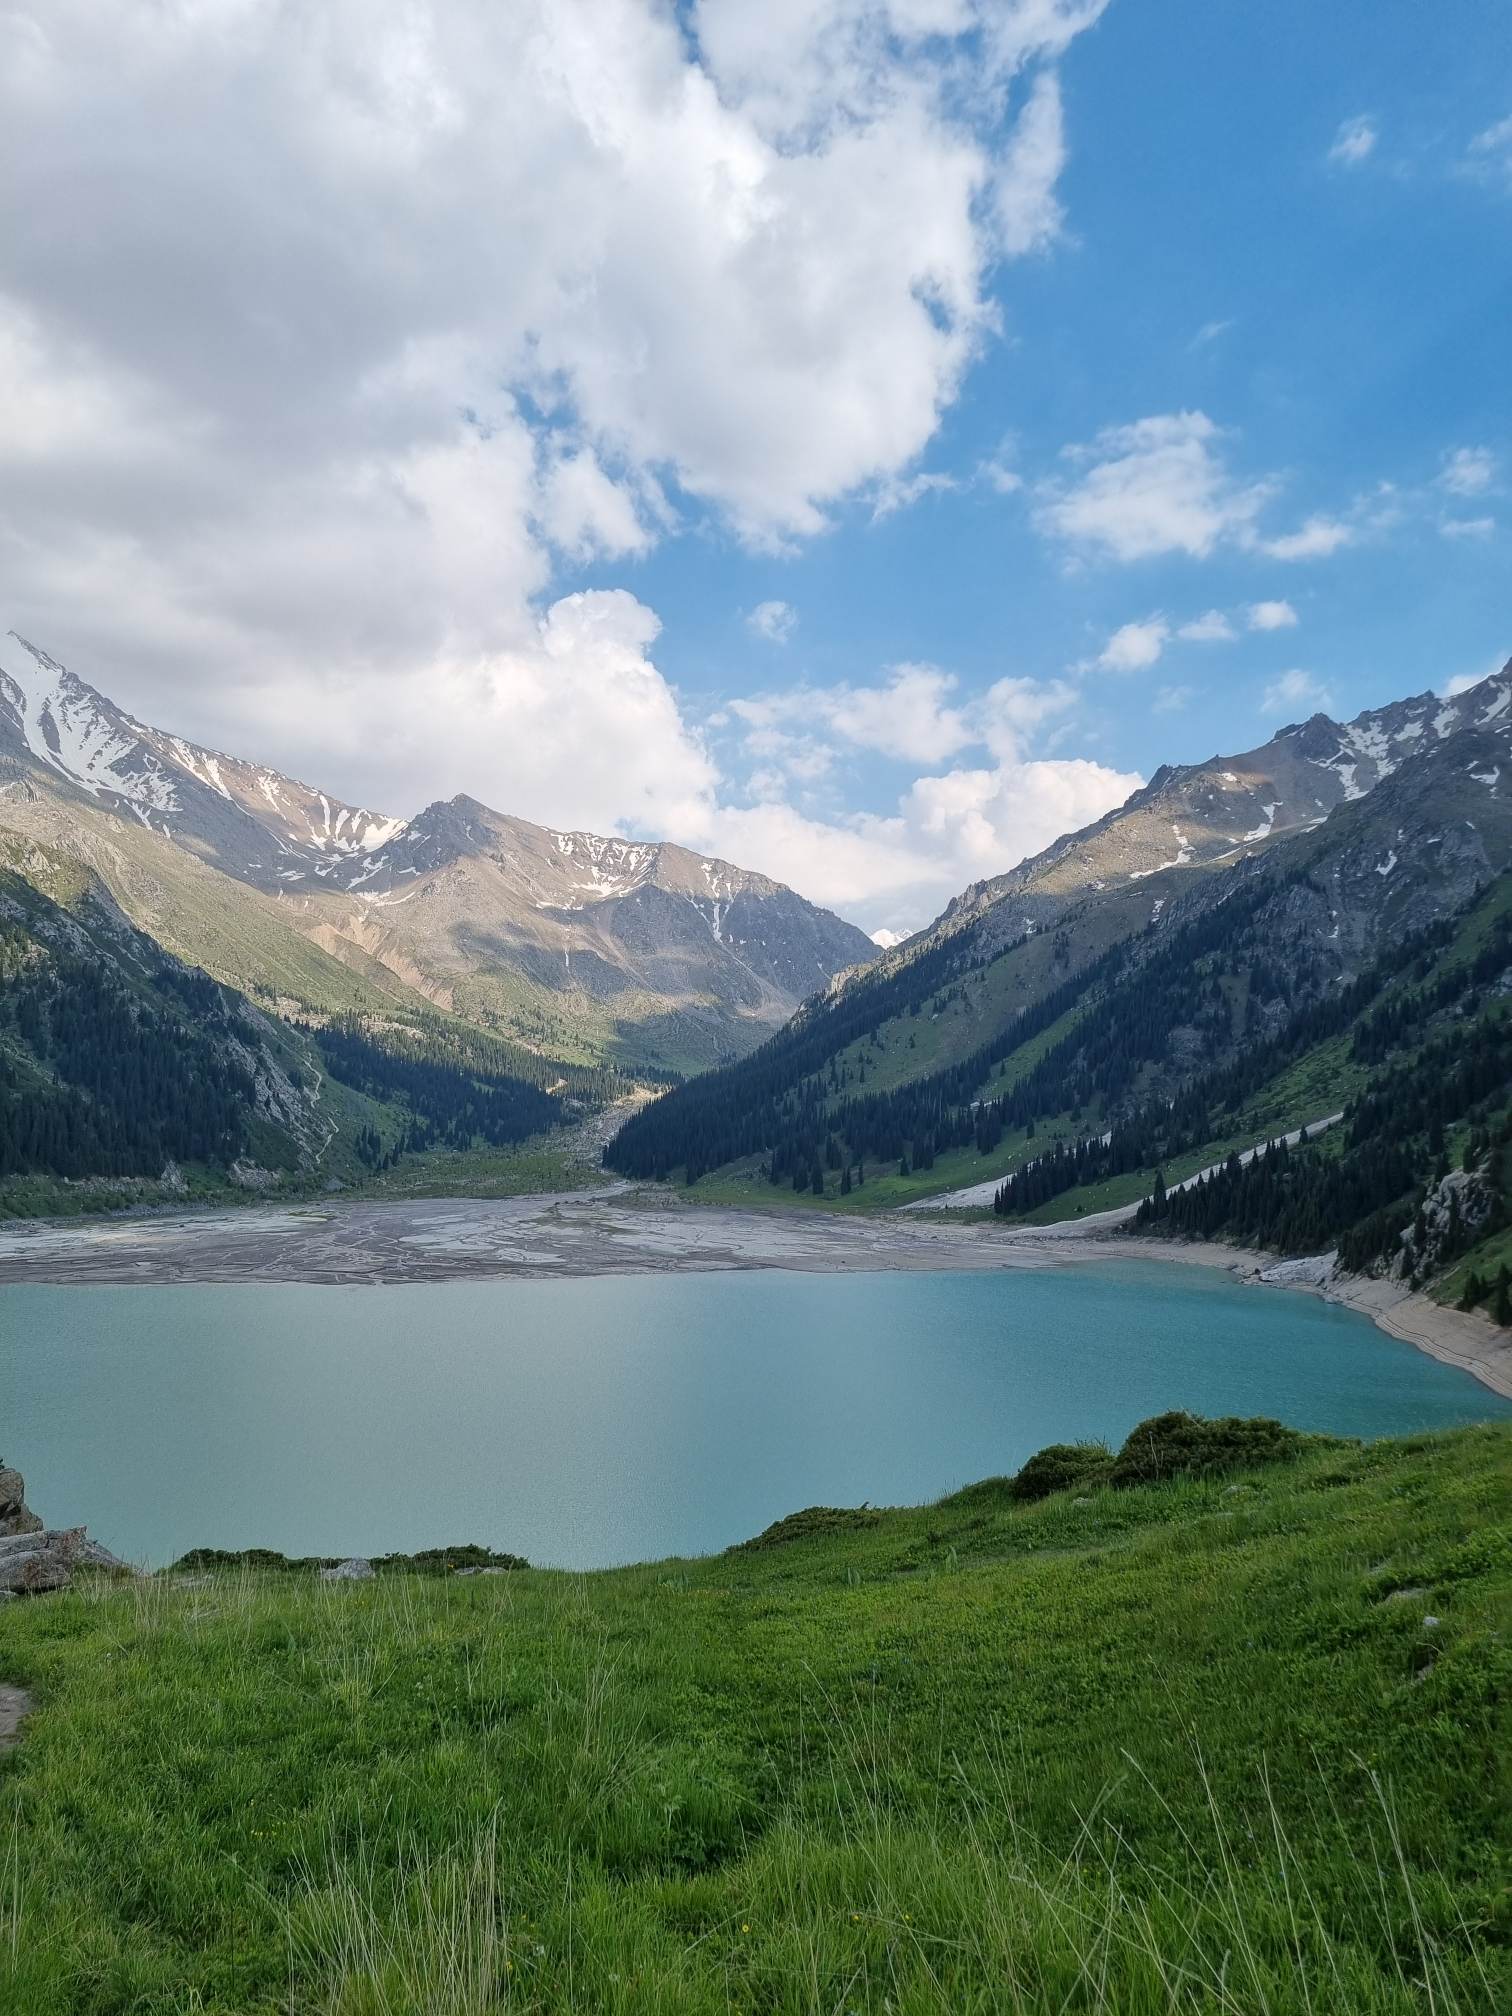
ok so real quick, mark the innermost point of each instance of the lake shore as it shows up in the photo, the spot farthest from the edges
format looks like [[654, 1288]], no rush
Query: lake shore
[[627, 1231]]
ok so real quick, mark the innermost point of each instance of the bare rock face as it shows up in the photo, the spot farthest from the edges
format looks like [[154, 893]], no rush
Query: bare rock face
[[15, 1514], [1450, 1217]]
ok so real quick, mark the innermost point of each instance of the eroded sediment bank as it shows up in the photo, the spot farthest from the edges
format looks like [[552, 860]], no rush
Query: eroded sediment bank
[[622, 1231]]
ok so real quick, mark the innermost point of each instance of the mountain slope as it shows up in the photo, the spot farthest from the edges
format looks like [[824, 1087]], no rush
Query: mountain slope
[[1135, 982], [117, 1062], [581, 944], [1209, 813]]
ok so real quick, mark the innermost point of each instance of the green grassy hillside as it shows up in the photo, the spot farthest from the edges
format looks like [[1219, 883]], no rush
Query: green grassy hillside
[[1231, 1744]]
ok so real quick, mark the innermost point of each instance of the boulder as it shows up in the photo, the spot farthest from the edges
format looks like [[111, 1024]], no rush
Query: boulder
[[16, 1515], [41, 1573], [355, 1570], [35, 1562]]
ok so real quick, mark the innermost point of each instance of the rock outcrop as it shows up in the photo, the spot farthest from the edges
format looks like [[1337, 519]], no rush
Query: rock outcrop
[[35, 1560], [16, 1516]]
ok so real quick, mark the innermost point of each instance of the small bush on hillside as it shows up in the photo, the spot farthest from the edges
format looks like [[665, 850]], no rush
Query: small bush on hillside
[[809, 1524], [1188, 1445], [430, 1561], [1064, 1466]]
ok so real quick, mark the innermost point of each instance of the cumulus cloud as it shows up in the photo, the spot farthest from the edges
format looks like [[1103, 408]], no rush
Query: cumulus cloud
[[1315, 539], [1355, 141], [1293, 691], [1134, 646], [1159, 485], [1172, 699], [895, 871], [1211, 628], [909, 716], [1467, 472], [357, 323], [1271, 616], [775, 621]]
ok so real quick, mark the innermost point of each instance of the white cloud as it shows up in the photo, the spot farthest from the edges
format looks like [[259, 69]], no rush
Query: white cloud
[[1313, 540], [1210, 332], [1355, 141], [1157, 486], [897, 870], [1467, 528], [1463, 682], [998, 476], [357, 321], [1295, 690], [1211, 628], [774, 621], [1134, 646], [1491, 151], [1028, 214], [1172, 699], [896, 493], [1271, 616], [1468, 472], [909, 717]]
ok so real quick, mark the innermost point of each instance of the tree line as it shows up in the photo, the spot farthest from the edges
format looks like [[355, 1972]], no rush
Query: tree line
[[98, 1079]]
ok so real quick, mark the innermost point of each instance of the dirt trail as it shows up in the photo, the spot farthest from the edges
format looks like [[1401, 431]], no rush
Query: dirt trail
[[15, 1706]]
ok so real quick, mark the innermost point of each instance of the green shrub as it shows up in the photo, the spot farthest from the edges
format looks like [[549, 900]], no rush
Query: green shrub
[[1064, 1466], [429, 1561], [809, 1524], [1189, 1445]]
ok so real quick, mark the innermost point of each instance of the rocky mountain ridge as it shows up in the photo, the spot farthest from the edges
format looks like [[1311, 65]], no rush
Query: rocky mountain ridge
[[1209, 813], [590, 943]]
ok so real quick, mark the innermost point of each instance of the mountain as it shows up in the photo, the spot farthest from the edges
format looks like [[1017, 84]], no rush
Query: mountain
[[118, 1062], [1203, 814], [581, 945], [1166, 971]]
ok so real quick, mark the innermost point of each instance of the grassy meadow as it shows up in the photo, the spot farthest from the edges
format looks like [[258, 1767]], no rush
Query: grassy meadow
[[1187, 1746]]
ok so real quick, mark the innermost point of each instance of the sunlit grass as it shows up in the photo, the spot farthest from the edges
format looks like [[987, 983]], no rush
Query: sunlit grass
[[1155, 1749]]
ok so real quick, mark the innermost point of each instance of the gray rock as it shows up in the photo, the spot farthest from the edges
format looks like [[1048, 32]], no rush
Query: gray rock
[[16, 1516], [33, 1563], [1430, 1623], [355, 1570], [41, 1573]]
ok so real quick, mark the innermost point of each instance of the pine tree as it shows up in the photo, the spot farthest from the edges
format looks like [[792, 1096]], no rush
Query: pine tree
[[1501, 1308]]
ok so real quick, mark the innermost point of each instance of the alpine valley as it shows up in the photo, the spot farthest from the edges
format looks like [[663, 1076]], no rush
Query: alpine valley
[[363, 986], [1313, 935], [218, 976]]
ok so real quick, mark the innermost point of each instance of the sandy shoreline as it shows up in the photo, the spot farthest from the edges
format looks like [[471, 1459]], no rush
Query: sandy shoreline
[[621, 1231]]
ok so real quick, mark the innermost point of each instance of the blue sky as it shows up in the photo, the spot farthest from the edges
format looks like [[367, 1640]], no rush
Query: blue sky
[[1345, 324], [804, 432]]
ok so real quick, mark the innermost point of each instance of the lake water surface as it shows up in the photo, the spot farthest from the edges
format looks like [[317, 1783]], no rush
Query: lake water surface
[[589, 1421]]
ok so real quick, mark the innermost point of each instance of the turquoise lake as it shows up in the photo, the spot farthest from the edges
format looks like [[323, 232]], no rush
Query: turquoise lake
[[591, 1421]]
